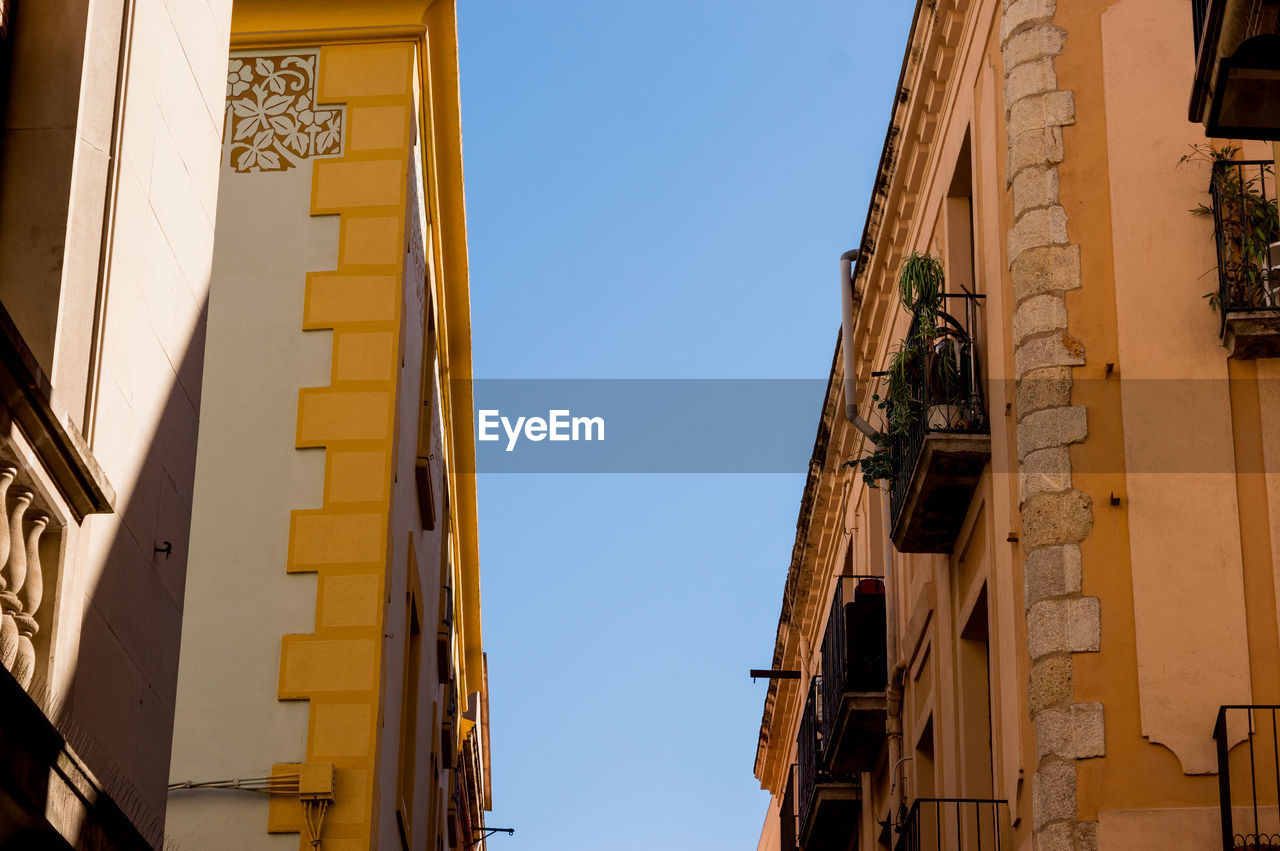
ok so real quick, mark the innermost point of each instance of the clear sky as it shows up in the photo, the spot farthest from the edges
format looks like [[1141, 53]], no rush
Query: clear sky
[[654, 190]]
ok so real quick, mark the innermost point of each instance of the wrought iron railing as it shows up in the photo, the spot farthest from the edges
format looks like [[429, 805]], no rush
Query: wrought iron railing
[[808, 752], [955, 824], [1249, 777], [853, 654], [1246, 224], [1263, 19], [943, 390], [1199, 11]]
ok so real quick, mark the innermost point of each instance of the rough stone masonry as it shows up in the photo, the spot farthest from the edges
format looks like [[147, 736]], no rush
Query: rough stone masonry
[[1056, 517]]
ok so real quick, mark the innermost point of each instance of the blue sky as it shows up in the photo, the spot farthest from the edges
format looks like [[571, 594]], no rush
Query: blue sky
[[656, 190]]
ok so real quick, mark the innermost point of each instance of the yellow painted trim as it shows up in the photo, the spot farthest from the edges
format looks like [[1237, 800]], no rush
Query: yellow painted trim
[[326, 21], [327, 35], [447, 210], [339, 668]]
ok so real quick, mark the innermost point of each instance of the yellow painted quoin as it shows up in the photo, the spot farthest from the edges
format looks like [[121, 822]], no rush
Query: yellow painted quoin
[[393, 67]]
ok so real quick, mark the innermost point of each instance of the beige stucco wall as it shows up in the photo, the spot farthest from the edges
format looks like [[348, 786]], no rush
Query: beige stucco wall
[[1187, 666], [58, 197], [239, 599], [1156, 829]]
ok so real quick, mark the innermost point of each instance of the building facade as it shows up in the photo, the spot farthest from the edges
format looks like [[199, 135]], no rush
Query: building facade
[[108, 182], [332, 684], [1033, 596], [301, 593]]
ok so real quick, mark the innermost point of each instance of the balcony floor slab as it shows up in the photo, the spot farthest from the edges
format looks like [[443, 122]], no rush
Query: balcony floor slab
[[937, 498], [1251, 334]]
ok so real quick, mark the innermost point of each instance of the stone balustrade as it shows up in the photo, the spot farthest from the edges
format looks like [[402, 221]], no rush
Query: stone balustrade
[[21, 577]]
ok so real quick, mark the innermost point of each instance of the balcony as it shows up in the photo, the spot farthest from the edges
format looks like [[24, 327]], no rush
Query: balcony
[[47, 794], [1249, 777], [49, 482], [955, 824], [1236, 93], [22, 580], [941, 442], [854, 675], [828, 802], [1246, 227]]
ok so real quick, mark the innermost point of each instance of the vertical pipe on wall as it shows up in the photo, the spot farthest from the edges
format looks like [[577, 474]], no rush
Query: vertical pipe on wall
[[893, 691], [847, 311]]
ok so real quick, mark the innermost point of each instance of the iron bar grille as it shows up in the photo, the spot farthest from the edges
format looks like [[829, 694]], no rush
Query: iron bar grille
[[853, 647], [1263, 19], [1246, 226], [808, 751], [943, 383], [956, 824], [1249, 777], [1199, 11]]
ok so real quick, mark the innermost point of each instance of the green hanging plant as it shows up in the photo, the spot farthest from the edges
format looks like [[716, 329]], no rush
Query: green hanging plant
[[900, 404], [877, 465], [920, 288], [928, 358], [944, 354]]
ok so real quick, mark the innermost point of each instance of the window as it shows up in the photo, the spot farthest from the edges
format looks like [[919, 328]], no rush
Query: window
[[426, 411], [959, 224], [973, 651], [409, 713]]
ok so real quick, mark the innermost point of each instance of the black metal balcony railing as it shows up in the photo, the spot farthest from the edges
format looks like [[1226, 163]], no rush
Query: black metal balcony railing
[[1247, 232], [1249, 777], [955, 824], [853, 647], [1235, 92], [827, 802], [808, 752], [944, 391], [1199, 11]]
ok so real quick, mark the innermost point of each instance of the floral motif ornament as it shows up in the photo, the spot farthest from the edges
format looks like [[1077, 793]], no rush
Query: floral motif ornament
[[272, 117]]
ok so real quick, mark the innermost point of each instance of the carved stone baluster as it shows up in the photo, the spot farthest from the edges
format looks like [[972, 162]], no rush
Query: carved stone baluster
[[9, 641], [24, 667], [14, 574], [7, 474]]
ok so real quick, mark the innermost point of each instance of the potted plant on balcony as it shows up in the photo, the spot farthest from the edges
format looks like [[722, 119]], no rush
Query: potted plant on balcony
[[1247, 228], [924, 380], [934, 349]]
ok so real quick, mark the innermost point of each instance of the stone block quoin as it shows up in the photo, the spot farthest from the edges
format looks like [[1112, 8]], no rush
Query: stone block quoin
[[1045, 265]]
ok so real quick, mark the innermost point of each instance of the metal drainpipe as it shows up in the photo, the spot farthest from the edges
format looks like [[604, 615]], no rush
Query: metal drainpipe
[[847, 311], [893, 692], [897, 668]]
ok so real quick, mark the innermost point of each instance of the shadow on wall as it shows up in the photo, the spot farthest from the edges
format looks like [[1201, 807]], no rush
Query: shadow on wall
[[112, 726]]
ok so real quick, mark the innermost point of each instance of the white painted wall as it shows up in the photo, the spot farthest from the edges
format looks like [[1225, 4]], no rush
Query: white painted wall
[[239, 600]]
